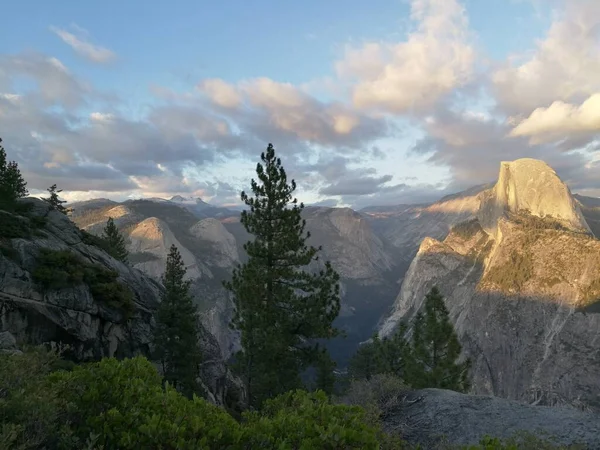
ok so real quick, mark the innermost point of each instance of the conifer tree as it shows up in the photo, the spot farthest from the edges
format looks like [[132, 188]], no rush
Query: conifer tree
[[380, 356], [12, 184], [281, 309], [115, 241], [54, 201], [325, 373], [431, 361], [177, 332]]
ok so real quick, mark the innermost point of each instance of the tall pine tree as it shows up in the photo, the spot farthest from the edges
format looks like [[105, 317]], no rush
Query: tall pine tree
[[281, 309], [12, 184], [54, 201], [115, 241], [177, 332], [432, 359]]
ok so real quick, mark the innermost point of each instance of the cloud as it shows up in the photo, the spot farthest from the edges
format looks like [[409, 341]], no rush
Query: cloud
[[356, 185], [413, 75], [281, 112], [91, 52], [563, 67], [56, 85], [560, 120], [220, 93]]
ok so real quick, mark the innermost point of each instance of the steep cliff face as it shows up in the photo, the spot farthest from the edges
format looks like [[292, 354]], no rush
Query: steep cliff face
[[73, 314], [223, 252], [521, 293], [154, 237], [531, 185]]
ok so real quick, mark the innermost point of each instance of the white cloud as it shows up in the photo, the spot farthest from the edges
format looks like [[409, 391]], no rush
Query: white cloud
[[94, 53], [564, 66], [560, 120], [434, 60], [220, 93]]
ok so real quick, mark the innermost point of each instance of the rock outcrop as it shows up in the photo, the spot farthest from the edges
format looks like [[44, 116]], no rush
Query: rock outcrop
[[72, 315], [521, 291], [529, 185], [429, 416], [153, 236], [223, 252]]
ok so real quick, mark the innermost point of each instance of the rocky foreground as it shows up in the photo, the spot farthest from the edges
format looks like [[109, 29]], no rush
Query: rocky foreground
[[430, 416]]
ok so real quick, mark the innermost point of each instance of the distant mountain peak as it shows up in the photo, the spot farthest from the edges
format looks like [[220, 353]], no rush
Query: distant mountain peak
[[192, 200], [531, 185]]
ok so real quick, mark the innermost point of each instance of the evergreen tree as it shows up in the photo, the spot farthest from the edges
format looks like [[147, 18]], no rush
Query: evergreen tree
[[115, 241], [380, 356], [431, 361], [325, 373], [12, 184], [55, 202], [177, 332], [280, 309]]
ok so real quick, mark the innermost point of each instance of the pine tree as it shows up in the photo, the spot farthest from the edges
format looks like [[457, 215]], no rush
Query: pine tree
[[177, 332], [280, 309], [115, 241], [380, 356], [54, 201], [12, 184], [431, 361], [325, 373]]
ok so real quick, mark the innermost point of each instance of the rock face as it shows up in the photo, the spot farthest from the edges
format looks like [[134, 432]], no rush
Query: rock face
[[224, 251], [424, 416], [73, 316], [522, 297], [153, 236], [531, 185]]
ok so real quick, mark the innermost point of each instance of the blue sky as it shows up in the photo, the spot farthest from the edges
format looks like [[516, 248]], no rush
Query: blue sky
[[387, 101]]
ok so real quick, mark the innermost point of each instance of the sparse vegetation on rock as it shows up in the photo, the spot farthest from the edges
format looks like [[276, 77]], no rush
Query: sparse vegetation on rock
[[60, 269]]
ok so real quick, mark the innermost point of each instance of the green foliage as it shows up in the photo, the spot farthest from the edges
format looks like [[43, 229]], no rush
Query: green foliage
[[115, 240], [299, 420], [124, 404], [29, 413], [380, 356], [431, 361], [12, 184], [379, 396], [59, 269], [121, 404], [54, 201], [325, 373], [177, 331], [96, 241], [7, 250], [281, 309], [467, 229], [514, 273], [12, 226]]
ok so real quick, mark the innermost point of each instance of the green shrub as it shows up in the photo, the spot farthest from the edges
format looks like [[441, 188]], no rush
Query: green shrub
[[124, 404], [58, 269], [7, 250], [96, 241], [302, 420], [12, 226]]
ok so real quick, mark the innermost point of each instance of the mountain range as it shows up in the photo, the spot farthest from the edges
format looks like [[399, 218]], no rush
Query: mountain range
[[518, 262]]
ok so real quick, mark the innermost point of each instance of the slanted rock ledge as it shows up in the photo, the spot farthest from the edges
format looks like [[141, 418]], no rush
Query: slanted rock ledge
[[424, 416]]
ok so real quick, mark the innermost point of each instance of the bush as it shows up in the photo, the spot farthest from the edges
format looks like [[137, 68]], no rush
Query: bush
[[515, 272], [298, 419], [520, 441], [59, 269], [96, 241], [12, 226], [125, 406]]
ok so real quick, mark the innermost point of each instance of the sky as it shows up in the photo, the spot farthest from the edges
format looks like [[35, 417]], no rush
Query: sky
[[367, 103]]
